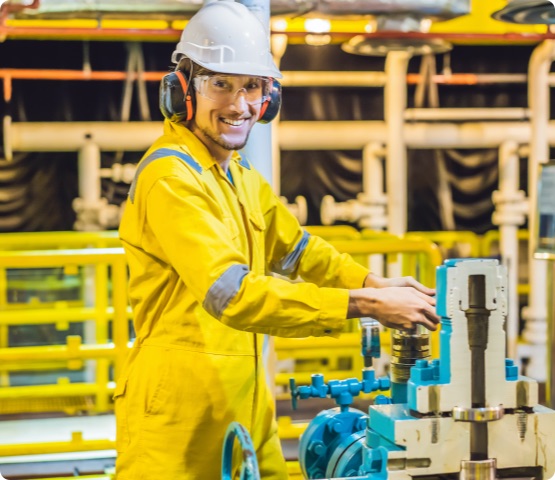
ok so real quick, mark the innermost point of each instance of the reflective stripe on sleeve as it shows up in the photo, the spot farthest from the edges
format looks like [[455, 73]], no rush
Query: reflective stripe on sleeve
[[224, 289], [287, 265]]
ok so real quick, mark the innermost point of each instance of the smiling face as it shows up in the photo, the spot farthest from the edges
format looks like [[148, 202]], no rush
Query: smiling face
[[227, 107]]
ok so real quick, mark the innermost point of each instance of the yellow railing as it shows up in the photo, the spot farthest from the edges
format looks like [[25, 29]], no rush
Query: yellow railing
[[421, 257], [110, 308], [105, 271], [464, 243]]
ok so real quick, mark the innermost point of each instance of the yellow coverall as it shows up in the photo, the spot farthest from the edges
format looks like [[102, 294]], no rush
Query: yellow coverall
[[199, 248]]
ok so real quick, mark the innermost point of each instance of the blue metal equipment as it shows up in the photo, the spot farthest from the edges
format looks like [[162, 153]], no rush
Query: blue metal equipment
[[467, 415], [249, 466]]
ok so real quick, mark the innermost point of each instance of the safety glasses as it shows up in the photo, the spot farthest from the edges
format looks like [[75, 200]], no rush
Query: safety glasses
[[223, 89]]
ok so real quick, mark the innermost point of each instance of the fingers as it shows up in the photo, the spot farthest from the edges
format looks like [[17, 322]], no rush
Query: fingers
[[411, 282], [425, 313]]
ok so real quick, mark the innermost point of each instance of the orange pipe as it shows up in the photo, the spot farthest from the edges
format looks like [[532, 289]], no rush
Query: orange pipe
[[170, 34], [53, 74], [57, 74], [7, 89], [8, 74]]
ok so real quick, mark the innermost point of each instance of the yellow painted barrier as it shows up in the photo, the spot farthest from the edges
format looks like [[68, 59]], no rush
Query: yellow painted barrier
[[426, 257], [108, 270], [451, 240], [76, 444], [86, 477], [58, 240], [338, 232], [104, 268]]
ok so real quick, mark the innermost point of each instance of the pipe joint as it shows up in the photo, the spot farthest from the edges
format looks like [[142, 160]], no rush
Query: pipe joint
[[511, 208], [96, 215], [123, 173], [366, 212], [299, 208]]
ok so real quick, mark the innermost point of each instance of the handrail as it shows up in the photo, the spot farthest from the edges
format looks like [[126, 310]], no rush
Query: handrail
[[74, 352]]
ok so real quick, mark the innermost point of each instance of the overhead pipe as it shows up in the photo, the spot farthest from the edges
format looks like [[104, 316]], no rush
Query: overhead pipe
[[172, 35], [466, 114], [302, 135], [291, 78], [535, 314], [305, 135], [511, 208]]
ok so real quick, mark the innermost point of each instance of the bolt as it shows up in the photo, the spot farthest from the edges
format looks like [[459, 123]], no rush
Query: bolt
[[317, 448], [315, 472], [361, 423], [337, 426]]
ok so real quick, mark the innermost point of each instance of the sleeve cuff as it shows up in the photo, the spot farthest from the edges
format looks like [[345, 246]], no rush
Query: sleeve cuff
[[335, 303], [354, 276]]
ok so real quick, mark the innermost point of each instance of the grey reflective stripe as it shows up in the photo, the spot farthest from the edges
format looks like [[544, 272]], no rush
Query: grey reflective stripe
[[288, 264], [224, 289], [161, 153], [244, 162]]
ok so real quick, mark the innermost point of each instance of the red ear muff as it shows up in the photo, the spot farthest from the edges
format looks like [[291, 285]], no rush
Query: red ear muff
[[188, 99], [176, 102], [270, 108]]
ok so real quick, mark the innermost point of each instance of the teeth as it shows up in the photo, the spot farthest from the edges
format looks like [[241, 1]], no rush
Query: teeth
[[234, 123]]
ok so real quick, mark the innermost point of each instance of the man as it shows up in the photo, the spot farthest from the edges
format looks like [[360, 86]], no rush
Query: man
[[201, 230]]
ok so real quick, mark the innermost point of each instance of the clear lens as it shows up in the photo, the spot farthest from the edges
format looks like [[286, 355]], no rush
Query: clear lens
[[225, 88]]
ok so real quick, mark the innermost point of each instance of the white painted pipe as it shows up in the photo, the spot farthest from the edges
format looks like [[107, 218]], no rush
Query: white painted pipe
[[395, 100], [508, 245], [355, 134], [372, 170], [90, 194], [535, 330], [466, 114], [395, 103], [279, 46], [259, 145], [373, 190], [305, 135], [89, 172]]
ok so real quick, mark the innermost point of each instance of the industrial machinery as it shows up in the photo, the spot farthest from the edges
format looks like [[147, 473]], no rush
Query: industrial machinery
[[467, 414]]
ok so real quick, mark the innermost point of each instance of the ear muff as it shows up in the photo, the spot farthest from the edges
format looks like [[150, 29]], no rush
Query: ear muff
[[176, 102], [270, 108]]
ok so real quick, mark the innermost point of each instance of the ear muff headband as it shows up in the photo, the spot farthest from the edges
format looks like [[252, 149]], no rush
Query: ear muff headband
[[188, 100]]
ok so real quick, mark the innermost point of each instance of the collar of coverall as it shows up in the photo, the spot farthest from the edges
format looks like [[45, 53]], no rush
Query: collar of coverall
[[195, 147]]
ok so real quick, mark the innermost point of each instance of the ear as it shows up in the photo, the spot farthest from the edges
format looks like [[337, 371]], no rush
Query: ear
[[270, 108], [177, 103]]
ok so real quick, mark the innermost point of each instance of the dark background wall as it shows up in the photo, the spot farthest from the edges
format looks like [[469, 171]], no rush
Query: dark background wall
[[36, 189]]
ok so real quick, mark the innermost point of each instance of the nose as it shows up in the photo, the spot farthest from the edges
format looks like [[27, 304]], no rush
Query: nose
[[240, 100]]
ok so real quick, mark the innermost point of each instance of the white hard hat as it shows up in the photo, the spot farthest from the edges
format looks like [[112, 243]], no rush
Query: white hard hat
[[226, 37]]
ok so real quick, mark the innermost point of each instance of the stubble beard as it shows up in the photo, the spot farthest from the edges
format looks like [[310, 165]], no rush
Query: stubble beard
[[218, 140]]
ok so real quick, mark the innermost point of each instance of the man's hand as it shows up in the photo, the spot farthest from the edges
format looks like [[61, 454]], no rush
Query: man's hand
[[380, 282], [400, 303]]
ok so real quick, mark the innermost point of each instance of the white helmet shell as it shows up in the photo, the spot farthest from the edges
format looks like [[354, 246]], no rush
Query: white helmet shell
[[226, 37]]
